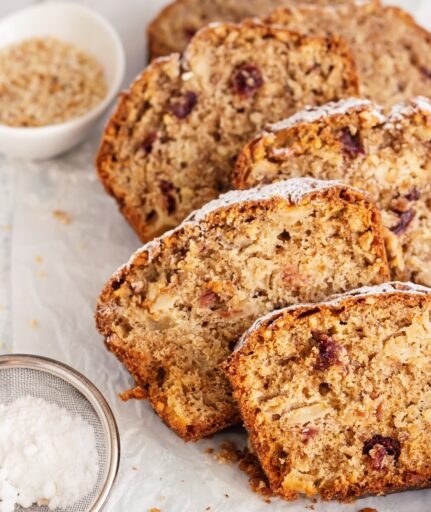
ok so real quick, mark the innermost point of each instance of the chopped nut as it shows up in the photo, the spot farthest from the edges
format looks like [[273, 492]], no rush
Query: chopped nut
[[47, 81], [297, 481], [307, 413]]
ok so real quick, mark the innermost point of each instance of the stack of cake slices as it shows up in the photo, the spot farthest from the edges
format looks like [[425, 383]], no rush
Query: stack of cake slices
[[299, 303]]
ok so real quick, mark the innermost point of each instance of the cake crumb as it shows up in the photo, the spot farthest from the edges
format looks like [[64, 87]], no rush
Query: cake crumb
[[134, 468], [228, 453], [41, 274], [208, 509], [368, 509], [247, 462], [209, 450], [62, 217], [38, 259], [34, 323], [226, 495], [154, 510]]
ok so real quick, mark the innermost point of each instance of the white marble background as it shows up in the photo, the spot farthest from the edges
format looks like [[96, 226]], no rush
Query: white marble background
[[50, 275]]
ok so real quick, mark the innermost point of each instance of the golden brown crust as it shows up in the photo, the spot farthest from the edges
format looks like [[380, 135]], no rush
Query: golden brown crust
[[156, 187], [264, 334], [117, 295]]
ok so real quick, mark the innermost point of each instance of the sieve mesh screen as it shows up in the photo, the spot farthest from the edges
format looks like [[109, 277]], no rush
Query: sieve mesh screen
[[19, 382]]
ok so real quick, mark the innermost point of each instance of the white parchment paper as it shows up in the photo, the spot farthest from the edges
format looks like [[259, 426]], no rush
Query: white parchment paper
[[51, 275]]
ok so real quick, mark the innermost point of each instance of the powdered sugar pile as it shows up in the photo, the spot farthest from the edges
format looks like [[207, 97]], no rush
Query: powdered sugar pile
[[47, 456]]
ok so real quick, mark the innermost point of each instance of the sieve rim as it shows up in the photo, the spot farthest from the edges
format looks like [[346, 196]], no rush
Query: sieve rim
[[94, 397]]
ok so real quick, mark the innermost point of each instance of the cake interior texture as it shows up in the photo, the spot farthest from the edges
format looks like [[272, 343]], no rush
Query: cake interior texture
[[172, 141], [337, 398], [391, 51], [176, 311], [388, 155]]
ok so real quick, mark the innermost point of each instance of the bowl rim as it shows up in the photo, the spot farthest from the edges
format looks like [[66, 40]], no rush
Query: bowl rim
[[113, 89], [96, 400]]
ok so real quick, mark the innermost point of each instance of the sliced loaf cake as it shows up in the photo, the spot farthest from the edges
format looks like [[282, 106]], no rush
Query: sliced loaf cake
[[388, 155], [174, 136], [336, 395], [172, 29], [175, 312], [392, 52]]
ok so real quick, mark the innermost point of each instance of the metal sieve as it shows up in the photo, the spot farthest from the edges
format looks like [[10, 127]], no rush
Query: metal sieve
[[22, 375]]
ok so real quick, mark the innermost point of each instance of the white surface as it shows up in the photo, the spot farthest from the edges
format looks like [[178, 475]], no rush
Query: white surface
[[89, 32], [157, 469]]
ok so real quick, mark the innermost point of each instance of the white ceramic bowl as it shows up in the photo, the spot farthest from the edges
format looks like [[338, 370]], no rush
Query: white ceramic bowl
[[88, 31]]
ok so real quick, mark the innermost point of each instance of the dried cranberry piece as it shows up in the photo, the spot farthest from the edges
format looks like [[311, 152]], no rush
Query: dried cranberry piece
[[168, 191], [148, 142], [328, 351], [308, 433], [380, 447], [406, 219], [182, 106], [189, 32], [413, 195], [352, 143], [246, 80], [425, 71], [160, 377], [208, 299]]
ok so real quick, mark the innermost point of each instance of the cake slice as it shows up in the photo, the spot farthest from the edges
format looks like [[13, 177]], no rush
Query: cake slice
[[392, 52], [173, 138], [175, 312], [177, 23], [336, 395], [388, 155]]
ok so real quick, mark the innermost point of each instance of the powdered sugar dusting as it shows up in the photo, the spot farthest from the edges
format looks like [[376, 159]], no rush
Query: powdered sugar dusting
[[399, 112], [312, 114], [334, 301], [293, 190], [47, 455]]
